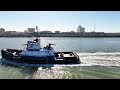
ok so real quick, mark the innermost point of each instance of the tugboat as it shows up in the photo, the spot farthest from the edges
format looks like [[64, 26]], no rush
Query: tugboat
[[35, 54]]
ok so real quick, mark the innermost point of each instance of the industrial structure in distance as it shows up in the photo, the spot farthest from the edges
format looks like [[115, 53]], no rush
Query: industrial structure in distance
[[80, 32]]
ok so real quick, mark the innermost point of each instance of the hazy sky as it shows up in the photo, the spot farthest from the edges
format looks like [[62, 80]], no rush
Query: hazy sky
[[105, 21]]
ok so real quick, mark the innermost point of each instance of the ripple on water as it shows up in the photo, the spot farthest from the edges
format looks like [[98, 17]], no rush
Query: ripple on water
[[93, 66]]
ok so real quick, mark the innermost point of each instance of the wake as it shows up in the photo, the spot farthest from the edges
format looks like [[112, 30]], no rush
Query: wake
[[87, 59]]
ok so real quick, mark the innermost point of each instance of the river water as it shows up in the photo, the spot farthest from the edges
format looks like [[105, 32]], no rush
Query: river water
[[100, 59]]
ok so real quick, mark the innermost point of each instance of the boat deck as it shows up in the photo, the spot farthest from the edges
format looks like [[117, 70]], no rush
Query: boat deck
[[65, 55]]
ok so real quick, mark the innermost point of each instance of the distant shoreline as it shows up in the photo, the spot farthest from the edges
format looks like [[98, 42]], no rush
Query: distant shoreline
[[61, 36], [72, 35]]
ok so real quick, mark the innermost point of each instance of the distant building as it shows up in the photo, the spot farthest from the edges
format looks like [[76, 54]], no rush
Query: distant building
[[10, 32], [19, 32], [25, 30], [65, 32], [2, 30], [57, 31], [46, 32], [31, 30], [72, 31], [80, 29]]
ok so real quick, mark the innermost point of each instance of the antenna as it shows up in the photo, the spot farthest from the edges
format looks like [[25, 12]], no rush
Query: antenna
[[37, 31], [95, 28], [38, 35]]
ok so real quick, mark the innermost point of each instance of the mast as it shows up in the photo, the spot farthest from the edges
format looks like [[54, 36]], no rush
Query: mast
[[37, 37], [37, 31], [95, 28]]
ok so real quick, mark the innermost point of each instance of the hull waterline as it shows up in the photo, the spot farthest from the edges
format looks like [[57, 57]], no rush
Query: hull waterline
[[9, 56]]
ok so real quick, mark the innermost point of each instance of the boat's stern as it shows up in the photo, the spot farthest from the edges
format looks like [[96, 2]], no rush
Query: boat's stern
[[66, 58], [77, 59]]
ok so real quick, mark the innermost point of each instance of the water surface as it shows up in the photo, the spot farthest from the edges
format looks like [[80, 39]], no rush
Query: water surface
[[100, 59]]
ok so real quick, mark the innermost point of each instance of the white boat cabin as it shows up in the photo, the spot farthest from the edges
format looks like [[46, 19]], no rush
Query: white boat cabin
[[34, 49]]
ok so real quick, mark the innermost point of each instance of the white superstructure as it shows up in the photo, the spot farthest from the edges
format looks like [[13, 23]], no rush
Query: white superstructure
[[33, 48]]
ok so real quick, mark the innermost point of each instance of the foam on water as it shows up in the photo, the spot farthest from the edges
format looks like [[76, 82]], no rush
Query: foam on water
[[100, 58], [87, 59]]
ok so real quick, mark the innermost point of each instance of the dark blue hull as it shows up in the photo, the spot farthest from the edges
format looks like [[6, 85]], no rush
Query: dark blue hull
[[40, 60]]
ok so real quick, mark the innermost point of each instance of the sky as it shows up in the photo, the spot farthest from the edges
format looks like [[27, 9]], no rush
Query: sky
[[64, 21]]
